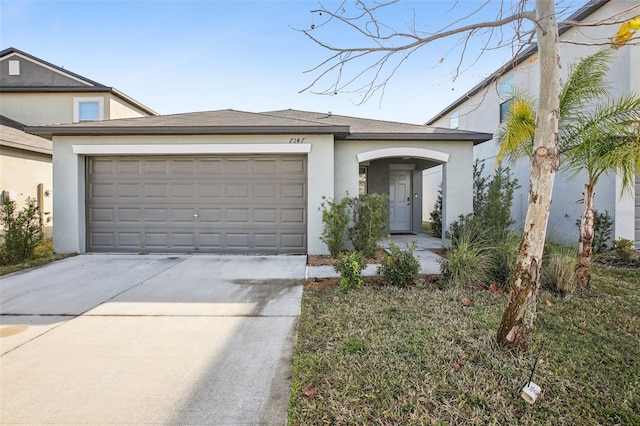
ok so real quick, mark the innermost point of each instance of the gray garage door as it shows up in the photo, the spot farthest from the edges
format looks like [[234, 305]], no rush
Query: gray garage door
[[225, 204]]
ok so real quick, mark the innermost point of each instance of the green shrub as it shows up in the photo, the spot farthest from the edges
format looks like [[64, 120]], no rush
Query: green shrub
[[624, 249], [350, 266], [400, 267], [22, 231], [559, 269], [370, 213], [44, 248], [335, 217], [495, 213], [436, 216]]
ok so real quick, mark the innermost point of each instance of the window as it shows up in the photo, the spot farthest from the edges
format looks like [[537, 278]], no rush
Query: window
[[454, 120], [504, 109], [14, 67], [506, 95], [362, 181], [88, 109]]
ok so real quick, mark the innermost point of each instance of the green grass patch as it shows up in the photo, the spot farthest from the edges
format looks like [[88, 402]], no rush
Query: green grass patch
[[389, 355], [39, 261]]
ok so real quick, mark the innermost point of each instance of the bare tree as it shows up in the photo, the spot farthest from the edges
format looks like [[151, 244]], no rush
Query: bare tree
[[386, 49]]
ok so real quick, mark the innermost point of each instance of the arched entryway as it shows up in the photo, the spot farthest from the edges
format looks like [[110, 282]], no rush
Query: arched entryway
[[397, 172]]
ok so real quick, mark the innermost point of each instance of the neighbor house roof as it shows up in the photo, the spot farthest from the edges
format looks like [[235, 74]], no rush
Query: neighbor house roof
[[577, 16], [226, 122], [83, 84], [12, 134]]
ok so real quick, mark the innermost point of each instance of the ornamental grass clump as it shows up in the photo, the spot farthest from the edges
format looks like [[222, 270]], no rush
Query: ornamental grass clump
[[400, 267], [470, 259], [559, 269]]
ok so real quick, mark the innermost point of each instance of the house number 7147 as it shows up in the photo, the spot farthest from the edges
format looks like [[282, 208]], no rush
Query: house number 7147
[[296, 140]]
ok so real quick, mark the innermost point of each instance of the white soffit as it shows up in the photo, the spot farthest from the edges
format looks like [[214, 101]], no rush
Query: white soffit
[[428, 154], [162, 149]]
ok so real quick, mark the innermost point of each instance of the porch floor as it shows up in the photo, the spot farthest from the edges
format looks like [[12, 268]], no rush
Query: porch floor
[[429, 264]]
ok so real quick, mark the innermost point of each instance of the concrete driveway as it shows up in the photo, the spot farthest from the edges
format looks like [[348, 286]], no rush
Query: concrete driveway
[[123, 339]]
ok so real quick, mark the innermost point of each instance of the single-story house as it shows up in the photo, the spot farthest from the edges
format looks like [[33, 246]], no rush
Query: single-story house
[[240, 182]]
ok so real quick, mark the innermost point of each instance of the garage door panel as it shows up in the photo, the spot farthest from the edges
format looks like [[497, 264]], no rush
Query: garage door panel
[[269, 216], [294, 216], [237, 166], [130, 215], [197, 204], [292, 240], [296, 167], [293, 190], [267, 167]]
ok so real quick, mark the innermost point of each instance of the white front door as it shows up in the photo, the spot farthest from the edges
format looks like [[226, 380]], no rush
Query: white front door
[[400, 200]]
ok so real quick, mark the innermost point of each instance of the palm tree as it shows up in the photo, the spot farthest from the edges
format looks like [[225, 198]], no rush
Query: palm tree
[[597, 134]]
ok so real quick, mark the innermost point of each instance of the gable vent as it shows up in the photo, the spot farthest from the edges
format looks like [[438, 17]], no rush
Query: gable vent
[[14, 67]]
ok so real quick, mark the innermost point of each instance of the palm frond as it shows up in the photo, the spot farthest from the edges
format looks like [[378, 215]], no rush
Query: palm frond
[[605, 139], [586, 83], [515, 136]]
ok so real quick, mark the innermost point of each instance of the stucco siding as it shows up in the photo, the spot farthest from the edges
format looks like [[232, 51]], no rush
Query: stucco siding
[[117, 108], [38, 108]]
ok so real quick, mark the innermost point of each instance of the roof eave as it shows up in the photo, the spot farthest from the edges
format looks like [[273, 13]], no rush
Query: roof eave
[[474, 137], [50, 131], [579, 15], [28, 148]]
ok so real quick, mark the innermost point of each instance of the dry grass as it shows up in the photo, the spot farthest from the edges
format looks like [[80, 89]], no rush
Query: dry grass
[[387, 355]]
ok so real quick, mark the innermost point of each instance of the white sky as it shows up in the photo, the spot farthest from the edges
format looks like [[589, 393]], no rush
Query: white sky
[[197, 55]]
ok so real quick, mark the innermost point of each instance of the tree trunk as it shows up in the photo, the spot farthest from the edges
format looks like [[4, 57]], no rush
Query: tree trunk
[[587, 231], [520, 313]]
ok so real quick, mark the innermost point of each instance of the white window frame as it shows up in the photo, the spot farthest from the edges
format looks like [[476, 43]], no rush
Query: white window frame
[[14, 67], [76, 107]]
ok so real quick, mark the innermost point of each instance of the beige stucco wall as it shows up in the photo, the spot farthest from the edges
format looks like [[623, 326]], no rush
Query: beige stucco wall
[[69, 179], [117, 108], [21, 172], [34, 109]]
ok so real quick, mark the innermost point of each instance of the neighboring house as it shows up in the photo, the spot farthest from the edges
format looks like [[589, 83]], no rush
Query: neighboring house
[[239, 182], [36, 92], [483, 109], [25, 167]]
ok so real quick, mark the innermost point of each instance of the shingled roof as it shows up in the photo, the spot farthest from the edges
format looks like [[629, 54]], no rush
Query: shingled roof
[[12, 134], [232, 122]]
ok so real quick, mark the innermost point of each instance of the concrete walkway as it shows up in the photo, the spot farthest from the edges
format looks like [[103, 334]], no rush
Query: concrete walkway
[[429, 261], [125, 339]]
